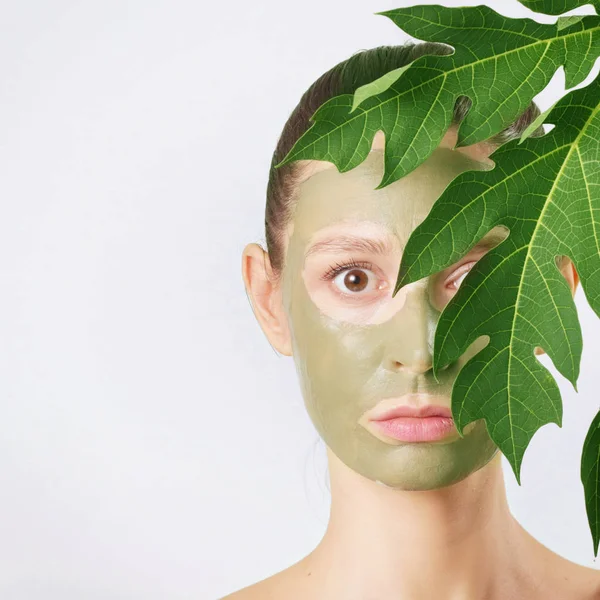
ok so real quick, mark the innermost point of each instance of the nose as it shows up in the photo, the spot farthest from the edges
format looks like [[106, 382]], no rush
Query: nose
[[411, 331]]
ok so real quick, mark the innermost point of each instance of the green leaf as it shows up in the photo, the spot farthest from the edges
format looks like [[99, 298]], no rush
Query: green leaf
[[536, 123], [376, 87], [546, 192], [501, 64], [564, 22], [590, 477], [557, 7]]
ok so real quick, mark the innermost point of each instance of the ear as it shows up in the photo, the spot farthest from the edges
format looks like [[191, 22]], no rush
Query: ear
[[567, 268], [264, 292]]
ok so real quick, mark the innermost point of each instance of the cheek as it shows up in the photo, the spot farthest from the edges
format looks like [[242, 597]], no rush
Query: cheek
[[339, 375], [328, 351], [338, 364]]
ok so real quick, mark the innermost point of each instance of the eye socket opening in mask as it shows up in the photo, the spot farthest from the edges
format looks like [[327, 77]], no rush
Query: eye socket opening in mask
[[350, 271]]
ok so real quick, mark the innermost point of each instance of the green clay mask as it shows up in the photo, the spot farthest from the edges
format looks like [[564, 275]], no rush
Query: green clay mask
[[353, 344]]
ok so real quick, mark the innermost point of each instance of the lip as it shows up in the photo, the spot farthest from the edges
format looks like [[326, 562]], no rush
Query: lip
[[405, 410], [403, 419]]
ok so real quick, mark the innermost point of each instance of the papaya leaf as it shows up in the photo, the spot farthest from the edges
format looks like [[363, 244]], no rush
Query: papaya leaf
[[558, 7], [536, 123], [546, 192], [376, 87], [590, 477], [501, 64], [564, 22]]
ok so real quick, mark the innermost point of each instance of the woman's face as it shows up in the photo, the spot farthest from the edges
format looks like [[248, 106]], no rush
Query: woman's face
[[353, 344]]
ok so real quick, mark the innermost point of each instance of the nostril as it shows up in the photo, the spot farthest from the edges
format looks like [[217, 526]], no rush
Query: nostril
[[417, 367]]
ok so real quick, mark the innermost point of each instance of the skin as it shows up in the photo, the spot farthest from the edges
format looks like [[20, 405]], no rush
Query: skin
[[373, 346], [408, 520]]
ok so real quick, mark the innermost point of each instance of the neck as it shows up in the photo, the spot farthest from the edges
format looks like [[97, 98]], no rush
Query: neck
[[459, 542]]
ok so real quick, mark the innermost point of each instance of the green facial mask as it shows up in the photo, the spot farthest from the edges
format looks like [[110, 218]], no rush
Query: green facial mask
[[349, 359]]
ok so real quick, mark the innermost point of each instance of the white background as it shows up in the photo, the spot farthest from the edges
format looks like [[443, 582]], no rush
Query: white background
[[152, 444]]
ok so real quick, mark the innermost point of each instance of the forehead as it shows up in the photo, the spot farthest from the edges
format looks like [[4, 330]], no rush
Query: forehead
[[328, 198]]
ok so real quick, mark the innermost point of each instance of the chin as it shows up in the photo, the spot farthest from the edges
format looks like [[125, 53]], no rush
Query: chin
[[419, 466]]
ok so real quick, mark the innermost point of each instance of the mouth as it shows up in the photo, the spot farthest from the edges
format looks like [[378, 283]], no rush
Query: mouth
[[410, 418]]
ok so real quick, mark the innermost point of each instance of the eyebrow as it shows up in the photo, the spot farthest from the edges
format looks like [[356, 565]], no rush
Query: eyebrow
[[348, 243]]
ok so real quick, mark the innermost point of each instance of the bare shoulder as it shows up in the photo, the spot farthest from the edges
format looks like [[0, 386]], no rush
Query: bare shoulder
[[590, 578], [291, 584], [262, 590], [252, 592], [273, 588], [581, 582]]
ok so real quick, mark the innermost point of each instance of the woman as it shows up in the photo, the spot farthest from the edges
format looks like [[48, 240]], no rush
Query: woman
[[415, 515]]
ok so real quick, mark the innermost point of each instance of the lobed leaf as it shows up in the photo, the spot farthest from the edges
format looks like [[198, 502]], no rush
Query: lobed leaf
[[377, 87], [590, 477], [546, 191], [557, 7], [501, 64]]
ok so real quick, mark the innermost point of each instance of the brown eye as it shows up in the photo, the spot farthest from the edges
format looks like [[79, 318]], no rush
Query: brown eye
[[354, 280]]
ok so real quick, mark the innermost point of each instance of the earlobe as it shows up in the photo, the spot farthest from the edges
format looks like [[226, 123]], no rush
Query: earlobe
[[264, 292]]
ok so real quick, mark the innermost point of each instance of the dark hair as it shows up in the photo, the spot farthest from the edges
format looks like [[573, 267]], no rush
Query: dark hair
[[361, 68]]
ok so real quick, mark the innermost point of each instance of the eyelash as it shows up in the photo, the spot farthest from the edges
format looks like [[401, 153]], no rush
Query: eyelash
[[338, 268]]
